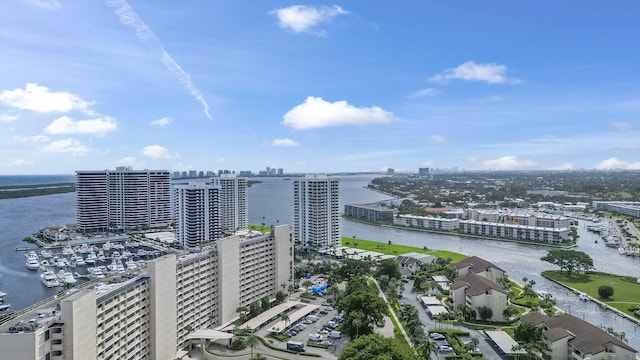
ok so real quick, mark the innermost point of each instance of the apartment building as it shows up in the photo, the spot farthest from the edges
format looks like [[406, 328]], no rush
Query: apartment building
[[514, 231], [234, 207], [149, 314], [196, 208], [316, 212], [123, 199], [426, 222], [631, 208], [371, 212]]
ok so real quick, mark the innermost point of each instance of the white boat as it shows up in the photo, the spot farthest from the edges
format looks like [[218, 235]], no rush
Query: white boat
[[63, 263], [49, 279], [4, 307], [91, 258], [46, 254], [107, 246], [141, 253], [95, 273], [69, 278], [32, 261], [67, 250], [101, 256], [115, 255], [119, 266], [44, 265], [84, 249], [583, 297], [80, 261], [131, 265]]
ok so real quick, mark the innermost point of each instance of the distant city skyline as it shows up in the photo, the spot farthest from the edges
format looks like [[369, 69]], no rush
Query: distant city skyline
[[318, 88]]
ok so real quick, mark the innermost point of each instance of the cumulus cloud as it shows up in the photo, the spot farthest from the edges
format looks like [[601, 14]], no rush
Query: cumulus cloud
[[615, 163], [66, 125], [127, 161], [438, 139], [130, 18], [508, 163], [302, 18], [620, 125], [67, 146], [20, 162], [158, 152], [38, 98], [470, 71], [565, 166], [285, 142], [162, 121], [7, 117], [424, 92], [316, 113]]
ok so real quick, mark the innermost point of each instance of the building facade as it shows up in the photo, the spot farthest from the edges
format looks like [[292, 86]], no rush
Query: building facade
[[371, 212], [316, 212], [196, 207], [150, 314], [426, 222], [123, 199], [234, 206]]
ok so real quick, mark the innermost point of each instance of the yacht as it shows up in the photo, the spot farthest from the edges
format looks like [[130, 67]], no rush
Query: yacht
[[131, 265], [91, 258], [101, 256], [32, 261], [80, 261], [4, 307], [95, 273], [44, 265], [46, 254], [69, 278], [107, 246], [67, 250], [49, 279]]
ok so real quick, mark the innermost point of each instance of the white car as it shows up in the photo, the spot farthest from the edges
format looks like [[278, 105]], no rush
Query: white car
[[437, 336], [445, 348]]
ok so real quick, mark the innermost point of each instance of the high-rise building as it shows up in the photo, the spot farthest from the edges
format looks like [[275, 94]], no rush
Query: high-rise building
[[123, 199], [156, 313], [196, 208], [234, 212], [316, 212], [424, 172]]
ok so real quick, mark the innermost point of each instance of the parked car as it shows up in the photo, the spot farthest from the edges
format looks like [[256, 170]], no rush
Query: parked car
[[324, 332], [437, 336], [445, 348], [323, 312]]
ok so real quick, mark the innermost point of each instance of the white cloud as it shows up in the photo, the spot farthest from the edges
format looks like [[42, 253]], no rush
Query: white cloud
[[424, 92], [302, 18], [7, 117], [565, 166], [67, 146], [130, 18], [36, 138], [615, 163], [428, 164], [39, 99], [620, 125], [20, 162], [158, 152], [221, 160], [438, 139], [508, 163], [285, 142], [66, 125], [162, 121], [127, 161], [45, 4], [316, 113], [470, 71]]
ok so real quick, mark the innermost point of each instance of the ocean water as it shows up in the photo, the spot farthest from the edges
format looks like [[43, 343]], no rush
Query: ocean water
[[6, 180]]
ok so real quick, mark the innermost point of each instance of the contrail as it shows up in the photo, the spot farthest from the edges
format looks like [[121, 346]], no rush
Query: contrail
[[130, 18]]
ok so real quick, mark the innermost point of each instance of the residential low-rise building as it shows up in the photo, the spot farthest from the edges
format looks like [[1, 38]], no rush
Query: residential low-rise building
[[570, 338], [476, 292], [426, 222], [514, 231], [371, 212]]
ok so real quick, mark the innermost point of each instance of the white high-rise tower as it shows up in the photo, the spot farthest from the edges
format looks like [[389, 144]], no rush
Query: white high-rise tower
[[234, 214], [316, 212], [197, 213]]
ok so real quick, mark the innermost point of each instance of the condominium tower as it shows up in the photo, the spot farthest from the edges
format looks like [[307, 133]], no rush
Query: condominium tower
[[234, 214], [197, 213], [123, 199], [208, 210], [316, 212]]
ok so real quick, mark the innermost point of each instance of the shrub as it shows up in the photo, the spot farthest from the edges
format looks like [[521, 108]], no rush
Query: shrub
[[605, 291]]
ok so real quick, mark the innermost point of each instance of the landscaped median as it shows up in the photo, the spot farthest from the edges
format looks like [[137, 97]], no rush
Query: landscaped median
[[626, 289]]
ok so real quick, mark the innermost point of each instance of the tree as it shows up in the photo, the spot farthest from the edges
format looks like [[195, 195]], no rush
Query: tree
[[569, 260], [358, 298], [485, 313], [390, 268], [376, 347], [285, 318], [529, 337], [252, 341], [280, 296], [605, 291], [265, 304], [573, 234]]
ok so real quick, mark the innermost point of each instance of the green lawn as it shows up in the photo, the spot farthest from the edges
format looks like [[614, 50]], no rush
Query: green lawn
[[626, 289], [396, 249]]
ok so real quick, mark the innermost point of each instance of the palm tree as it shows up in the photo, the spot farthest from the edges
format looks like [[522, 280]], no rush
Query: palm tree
[[252, 341], [429, 347], [357, 322], [285, 318]]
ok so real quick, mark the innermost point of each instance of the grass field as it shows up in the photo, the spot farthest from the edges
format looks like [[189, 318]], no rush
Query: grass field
[[396, 249], [626, 289]]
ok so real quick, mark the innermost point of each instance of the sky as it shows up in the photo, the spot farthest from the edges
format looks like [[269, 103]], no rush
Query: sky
[[360, 85]]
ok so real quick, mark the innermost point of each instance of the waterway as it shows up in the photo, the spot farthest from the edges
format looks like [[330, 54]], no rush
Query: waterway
[[271, 202]]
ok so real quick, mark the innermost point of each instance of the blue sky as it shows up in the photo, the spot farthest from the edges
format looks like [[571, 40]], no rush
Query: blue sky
[[318, 86]]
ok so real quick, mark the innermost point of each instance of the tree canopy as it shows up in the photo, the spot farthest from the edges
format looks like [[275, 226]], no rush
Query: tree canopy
[[390, 268], [376, 347], [361, 302], [569, 260]]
